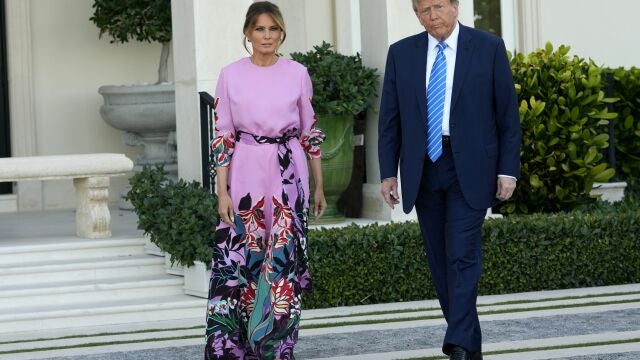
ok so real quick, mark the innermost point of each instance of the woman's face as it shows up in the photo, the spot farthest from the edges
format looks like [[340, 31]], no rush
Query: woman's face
[[265, 35]]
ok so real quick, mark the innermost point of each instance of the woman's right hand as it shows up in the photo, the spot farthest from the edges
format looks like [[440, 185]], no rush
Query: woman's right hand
[[225, 209]]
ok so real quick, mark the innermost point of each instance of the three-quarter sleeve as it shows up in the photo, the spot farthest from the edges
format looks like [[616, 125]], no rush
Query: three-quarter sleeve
[[223, 143], [311, 136]]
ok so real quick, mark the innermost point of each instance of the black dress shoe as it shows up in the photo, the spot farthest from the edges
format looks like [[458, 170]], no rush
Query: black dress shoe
[[458, 353], [476, 356]]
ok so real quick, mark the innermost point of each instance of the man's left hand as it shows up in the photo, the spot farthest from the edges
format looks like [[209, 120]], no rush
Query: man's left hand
[[506, 187]]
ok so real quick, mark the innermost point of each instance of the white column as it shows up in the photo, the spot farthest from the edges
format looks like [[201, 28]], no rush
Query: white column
[[207, 35], [347, 19], [528, 26], [21, 97], [382, 22], [508, 18]]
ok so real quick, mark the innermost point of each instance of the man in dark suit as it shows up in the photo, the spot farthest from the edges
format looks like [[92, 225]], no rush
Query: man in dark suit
[[449, 119]]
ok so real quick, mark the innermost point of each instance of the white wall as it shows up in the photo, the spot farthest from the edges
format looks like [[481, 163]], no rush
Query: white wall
[[69, 65], [308, 22], [606, 31]]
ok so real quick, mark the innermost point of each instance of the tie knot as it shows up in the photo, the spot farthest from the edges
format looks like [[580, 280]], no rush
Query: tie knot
[[441, 46]]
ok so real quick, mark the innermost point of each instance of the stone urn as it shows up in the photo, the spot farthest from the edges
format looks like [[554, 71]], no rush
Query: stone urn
[[147, 115], [337, 164]]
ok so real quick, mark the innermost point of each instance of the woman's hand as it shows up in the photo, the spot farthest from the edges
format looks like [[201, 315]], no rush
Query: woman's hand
[[319, 203], [225, 209]]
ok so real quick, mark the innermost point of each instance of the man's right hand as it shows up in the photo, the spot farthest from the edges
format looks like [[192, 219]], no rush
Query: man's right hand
[[389, 191], [225, 209]]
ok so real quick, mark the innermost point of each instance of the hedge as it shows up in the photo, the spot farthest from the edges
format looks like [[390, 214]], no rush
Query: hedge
[[378, 264]]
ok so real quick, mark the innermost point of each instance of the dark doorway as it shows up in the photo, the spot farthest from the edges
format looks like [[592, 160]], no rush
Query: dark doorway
[[5, 135]]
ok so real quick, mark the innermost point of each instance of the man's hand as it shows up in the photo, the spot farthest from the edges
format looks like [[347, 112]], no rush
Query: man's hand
[[506, 186], [389, 191]]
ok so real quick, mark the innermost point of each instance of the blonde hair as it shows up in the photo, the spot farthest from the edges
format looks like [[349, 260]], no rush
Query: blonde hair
[[415, 3], [255, 10]]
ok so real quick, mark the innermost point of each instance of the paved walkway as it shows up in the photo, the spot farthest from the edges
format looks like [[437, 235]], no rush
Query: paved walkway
[[578, 324]]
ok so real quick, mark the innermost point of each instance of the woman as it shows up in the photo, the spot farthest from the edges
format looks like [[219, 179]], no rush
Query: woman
[[264, 128]]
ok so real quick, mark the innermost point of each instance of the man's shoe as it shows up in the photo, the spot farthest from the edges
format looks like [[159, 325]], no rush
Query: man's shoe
[[476, 356], [458, 353]]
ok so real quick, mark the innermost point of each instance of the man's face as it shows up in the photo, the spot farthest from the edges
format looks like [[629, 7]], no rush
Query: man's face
[[438, 17]]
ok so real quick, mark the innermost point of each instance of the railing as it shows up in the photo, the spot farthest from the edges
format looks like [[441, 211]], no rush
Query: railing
[[206, 136]]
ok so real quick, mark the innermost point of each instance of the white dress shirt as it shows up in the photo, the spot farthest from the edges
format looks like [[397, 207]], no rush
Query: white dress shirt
[[450, 55]]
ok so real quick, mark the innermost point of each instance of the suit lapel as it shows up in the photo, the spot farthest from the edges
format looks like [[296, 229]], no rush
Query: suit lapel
[[463, 59], [419, 68]]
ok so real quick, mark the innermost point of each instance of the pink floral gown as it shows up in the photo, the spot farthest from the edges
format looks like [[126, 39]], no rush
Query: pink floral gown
[[264, 134]]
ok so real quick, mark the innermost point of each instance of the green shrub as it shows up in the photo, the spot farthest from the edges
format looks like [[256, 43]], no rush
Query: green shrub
[[564, 116], [378, 264], [341, 84], [626, 87], [180, 217]]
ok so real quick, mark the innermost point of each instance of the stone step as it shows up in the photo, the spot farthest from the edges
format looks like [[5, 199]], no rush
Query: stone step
[[47, 317], [45, 250], [86, 291], [80, 269]]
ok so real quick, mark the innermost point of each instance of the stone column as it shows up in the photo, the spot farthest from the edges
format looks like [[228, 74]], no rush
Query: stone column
[[21, 98], [384, 22], [207, 34]]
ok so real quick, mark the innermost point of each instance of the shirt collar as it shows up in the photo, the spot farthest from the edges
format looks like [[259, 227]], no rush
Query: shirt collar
[[452, 40]]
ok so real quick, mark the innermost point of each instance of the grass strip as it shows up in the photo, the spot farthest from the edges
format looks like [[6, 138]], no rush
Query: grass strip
[[513, 302], [101, 334], [492, 312], [94, 344], [542, 348]]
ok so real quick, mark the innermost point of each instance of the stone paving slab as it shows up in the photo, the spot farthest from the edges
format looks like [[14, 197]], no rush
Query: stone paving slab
[[345, 344]]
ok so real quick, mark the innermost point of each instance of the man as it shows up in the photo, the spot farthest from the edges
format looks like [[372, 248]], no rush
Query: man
[[449, 118]]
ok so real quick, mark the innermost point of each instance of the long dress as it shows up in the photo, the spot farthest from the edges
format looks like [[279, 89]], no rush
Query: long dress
[[265, 130]]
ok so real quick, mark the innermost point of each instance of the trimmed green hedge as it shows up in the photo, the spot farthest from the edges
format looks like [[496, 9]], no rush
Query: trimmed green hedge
[[377, 264]]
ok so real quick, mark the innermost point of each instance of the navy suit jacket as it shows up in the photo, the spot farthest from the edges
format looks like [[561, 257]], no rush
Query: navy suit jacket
[[484, 121]]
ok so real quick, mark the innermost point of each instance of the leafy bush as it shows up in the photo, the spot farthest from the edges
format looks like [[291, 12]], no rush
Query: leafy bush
[[179, 217], [341, 84], [564, 116], [377, 264], [626, 87]]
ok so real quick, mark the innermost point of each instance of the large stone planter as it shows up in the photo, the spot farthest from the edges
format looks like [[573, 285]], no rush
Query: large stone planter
[[173, 269], [196, 280], [147, 115], [337, 164]]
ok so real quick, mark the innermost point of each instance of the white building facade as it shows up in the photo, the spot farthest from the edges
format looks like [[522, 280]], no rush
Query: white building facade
[[56, 63]]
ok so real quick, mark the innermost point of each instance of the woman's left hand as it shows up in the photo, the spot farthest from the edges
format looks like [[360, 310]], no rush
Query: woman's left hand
[[319, 203]]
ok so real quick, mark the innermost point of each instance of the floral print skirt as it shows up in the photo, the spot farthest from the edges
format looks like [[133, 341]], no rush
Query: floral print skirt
[[260, 267]]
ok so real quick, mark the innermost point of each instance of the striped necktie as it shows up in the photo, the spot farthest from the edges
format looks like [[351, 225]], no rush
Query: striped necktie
[[436, 90]]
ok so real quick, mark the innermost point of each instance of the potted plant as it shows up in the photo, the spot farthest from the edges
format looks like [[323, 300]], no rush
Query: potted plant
[[342, 88], [180, 218], [145, 112]]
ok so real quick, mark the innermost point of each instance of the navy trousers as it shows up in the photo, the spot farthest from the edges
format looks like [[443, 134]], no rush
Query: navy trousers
[[452, 236]]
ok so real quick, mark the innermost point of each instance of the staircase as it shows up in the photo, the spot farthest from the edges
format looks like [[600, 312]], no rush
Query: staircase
[[67, 282]]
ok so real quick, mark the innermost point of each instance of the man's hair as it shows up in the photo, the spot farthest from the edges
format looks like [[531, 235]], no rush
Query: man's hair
[[415, 3]]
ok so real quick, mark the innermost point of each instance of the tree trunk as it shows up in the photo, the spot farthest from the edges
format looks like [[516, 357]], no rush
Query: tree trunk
[[164, 58]]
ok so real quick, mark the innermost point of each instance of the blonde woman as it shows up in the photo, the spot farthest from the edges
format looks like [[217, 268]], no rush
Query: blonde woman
[[265, 131]]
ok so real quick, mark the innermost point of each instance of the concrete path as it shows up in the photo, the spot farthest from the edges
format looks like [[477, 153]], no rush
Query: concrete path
[[579, 324]]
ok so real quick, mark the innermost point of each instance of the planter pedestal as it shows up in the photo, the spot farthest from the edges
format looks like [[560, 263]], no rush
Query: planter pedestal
[[196, 280], [147, 115]]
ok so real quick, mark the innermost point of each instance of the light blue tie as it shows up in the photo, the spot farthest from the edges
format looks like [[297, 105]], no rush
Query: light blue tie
[[436, 90]]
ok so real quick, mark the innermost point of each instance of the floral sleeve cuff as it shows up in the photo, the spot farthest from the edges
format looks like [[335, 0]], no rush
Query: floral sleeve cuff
[[222, 148], [311, 141]]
